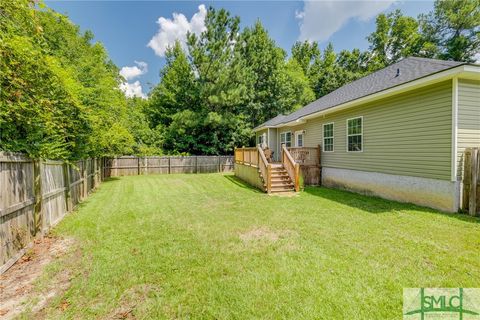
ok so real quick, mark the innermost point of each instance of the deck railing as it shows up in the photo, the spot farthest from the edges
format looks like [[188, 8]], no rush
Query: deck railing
[[247, 156], [255, 157], [292, 167], [265, 169], [306, 156]]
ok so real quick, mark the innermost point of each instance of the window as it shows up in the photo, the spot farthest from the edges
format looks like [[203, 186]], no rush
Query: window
[[286, 139], [328, 137], [260, 139], [299, 138], [355, 134]]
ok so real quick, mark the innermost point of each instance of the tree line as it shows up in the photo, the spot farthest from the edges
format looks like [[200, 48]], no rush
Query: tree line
[[59, 95]]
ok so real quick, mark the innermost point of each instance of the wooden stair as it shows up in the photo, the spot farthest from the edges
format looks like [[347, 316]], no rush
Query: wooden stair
[[281, 181]]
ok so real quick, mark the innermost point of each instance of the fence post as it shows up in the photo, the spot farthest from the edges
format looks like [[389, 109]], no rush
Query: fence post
[[66, 182], [37, 189], [100, 163], [94, 165], [145, 165], [85, 179], [196, 164], [169, 157], [219, 164], [472, 206], [466, 178]]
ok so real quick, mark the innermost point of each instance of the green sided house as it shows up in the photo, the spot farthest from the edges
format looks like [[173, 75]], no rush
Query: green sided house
[[399, 133]]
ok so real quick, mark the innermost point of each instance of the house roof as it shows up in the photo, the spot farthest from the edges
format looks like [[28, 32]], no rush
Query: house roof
[[404, 71]]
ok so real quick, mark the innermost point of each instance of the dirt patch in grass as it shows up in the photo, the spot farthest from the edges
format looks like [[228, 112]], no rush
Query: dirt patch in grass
[[17, 285], [130, 299], [265, 234]]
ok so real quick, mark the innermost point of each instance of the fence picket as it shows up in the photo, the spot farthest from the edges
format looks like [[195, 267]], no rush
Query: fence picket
[[128, 165], [35, 195]]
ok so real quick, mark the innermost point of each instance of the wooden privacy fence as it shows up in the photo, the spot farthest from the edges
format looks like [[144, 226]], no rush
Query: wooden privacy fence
[[131, 165], [35, 195], [471, 181]]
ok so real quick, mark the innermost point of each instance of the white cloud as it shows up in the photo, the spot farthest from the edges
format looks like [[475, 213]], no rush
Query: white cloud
[[176, 29], [130, 73], [133, 89], [320, 19]]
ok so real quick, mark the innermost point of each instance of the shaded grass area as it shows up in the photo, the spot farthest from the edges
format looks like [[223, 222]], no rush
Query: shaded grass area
[[210, 247]]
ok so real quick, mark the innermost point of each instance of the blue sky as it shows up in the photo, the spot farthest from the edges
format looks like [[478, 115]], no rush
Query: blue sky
[[127, 27]]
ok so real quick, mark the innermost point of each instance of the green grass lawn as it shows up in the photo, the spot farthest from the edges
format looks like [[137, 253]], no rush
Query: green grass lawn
[[209, 247]]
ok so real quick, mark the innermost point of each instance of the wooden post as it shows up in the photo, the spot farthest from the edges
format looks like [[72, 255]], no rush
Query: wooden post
[[94, 165], [138, 166], [269, 178], [85, 179], [466, 178], [37, 189], [102, 167], [297, 177], [169, 164], [243, 155], [66, 182], [196, 164], [472, 206], [145, 165], [219, 164]]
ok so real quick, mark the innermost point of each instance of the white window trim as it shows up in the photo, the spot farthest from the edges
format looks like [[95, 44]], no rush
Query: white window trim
[[333, 137], [346, 134], [297, 133], [285, 132]]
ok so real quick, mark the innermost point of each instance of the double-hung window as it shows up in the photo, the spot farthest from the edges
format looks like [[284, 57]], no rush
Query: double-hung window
[[328, 137], [355, 134], [286, 139]]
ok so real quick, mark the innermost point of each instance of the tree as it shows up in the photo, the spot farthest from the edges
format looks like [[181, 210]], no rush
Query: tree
[[59, 94], [295, 90], [264, 62], [452, 30], [396, 37], [306, 54], [177, 90]]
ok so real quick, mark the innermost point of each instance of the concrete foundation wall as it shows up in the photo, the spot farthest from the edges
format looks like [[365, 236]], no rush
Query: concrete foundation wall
[[439, 194], [249, 174]]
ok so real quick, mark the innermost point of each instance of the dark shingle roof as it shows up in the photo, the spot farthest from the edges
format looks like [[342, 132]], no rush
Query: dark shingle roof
[[409, 69]]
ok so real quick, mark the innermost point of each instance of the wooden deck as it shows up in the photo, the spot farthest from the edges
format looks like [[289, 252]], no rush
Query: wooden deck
[[297, 165]]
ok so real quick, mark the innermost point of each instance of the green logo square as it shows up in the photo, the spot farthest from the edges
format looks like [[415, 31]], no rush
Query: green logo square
[[441, 303]]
